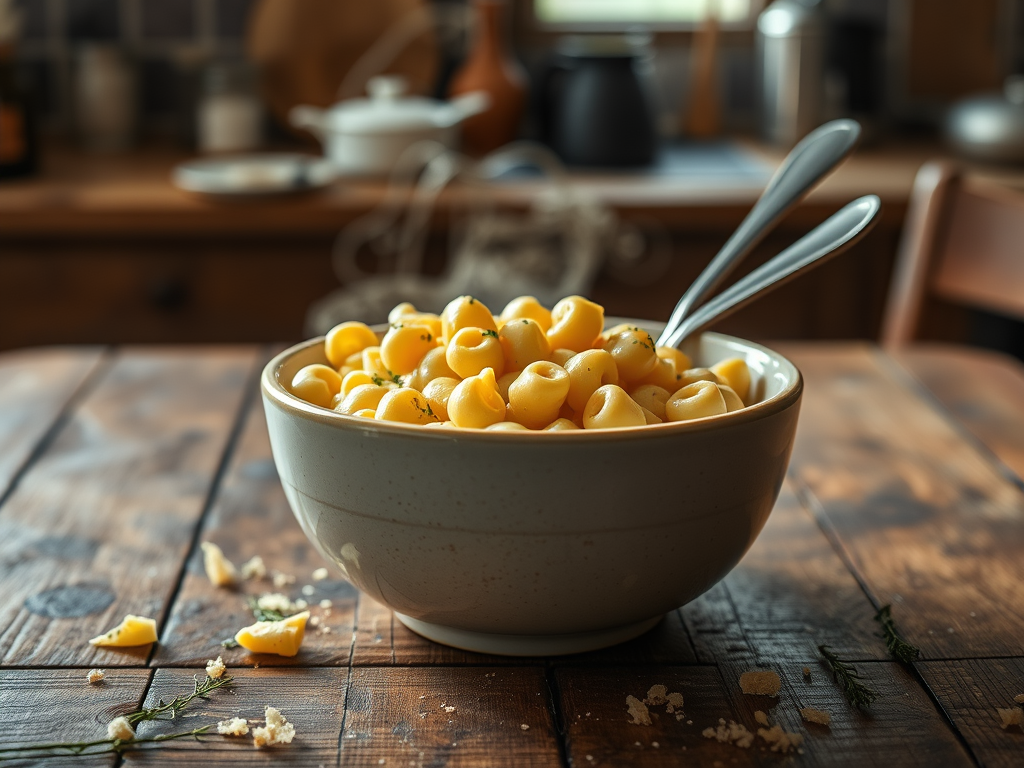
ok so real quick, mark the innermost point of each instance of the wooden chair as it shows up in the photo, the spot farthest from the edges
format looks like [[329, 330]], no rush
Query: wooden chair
[[962, 247]]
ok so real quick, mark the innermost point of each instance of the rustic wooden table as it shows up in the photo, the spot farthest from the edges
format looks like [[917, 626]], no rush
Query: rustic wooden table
[[905, 488]]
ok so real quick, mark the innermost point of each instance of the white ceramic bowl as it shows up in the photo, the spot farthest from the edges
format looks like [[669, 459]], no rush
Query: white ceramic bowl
[[535, 543]]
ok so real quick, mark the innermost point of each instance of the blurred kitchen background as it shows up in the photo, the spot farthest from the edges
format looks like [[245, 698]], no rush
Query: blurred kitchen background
[[158, 184]]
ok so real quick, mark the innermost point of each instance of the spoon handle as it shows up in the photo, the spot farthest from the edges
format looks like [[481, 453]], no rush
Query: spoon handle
[[828, 239], [809, 161]]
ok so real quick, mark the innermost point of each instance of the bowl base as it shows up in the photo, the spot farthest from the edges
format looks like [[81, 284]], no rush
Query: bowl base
[[527, 645]]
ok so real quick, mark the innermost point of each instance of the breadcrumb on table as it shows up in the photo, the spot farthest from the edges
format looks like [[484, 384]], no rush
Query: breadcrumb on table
[[95, 675], [761, 717], [1011, 717], [658, 694], [236, 726], [277, 730], [254, 568], [765, 683], [1019, 698], [730, 733], [637, 711], [120, 728], [780, 740], [320, 574], [812, 715], [215, 668]]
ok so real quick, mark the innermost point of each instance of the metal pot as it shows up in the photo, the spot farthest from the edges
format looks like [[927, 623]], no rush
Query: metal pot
[[367, 136]]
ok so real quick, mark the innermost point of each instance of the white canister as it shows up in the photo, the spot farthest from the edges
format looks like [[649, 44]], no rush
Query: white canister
[[229, 117]]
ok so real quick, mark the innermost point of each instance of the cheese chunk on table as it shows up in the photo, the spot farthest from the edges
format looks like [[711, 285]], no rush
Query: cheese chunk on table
[[133, 630], [281, 637]]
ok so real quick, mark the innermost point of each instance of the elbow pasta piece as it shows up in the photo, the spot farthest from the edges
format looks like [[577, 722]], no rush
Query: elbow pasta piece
[[538, 394], [732, 400], [473, 349], [527, 307], [611, 408], [432, 366], [508, 426], [405, 309], [560, 425], [362, 397], [587, 371], [316, 384], [649, 417], [366, 413], [560, 356], [663, 375], [651, 397], [437, 393], [680, 360], [374, 365], [353, 380], [347, 339], [465, 312], [404, 346], [505, 382], [695, 401], [576, 323], [734, 373], [475, 402], [633, 353], [523, 342], [405, 405], [692, 375]]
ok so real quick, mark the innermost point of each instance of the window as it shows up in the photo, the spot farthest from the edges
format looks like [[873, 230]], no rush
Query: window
[[664, 14]]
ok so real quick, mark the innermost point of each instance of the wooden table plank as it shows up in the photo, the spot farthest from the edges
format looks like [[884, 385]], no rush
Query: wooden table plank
[[929, 522], [468, 716], [35, 386], [100, 524], [986, 394], [312, 699], [970, 691], [250, 517], [903, 729], [43, 706]]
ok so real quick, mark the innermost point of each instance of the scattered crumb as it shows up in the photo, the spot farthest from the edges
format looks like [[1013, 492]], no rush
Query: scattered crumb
[[655, 744], [314, 621], [325, 603], [950, 630], [812, 715], [282, 580], [525, 727], [277, 730], [780, 740], [308, 590], [760, 683], [1019, 698], [320, 574], [275, 601], [120, 728], [327, 611], [254, 568], [590, 758], [675, 701], [236, 726], [657, 695], [637, 711], [300, 604], [449, 709], [95, 675], [323, 629], [215, 668], [219, 570], [761, 717], [1010, 717], [730, 733], [807, 671]]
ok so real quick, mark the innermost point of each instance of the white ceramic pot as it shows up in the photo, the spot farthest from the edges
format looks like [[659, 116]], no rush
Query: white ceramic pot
[[367, 136], [528, 543]]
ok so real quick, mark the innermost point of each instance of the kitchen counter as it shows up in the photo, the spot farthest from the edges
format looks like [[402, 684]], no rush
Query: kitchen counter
[[905, 488], [104, 249]]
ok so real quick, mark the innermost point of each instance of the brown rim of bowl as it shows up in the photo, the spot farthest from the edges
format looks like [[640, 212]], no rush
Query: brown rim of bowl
[[273, 389]]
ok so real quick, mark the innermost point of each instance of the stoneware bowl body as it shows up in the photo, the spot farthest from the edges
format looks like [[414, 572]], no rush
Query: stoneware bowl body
[[535, 543]]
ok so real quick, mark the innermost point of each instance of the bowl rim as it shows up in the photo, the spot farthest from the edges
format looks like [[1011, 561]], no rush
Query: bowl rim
[[274, 391]]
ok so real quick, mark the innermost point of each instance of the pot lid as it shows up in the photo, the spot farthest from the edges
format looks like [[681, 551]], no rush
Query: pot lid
[[388, 110]]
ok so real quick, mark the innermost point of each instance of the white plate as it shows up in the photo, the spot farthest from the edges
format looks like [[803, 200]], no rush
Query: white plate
[[254, 175]]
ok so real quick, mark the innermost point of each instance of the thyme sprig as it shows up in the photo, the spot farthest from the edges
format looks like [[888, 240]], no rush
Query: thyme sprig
[[179, 702], [848, 679], [898, 647], [99, 747]]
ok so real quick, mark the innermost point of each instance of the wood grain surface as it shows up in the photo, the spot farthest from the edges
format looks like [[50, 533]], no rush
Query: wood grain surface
[[895, 495]]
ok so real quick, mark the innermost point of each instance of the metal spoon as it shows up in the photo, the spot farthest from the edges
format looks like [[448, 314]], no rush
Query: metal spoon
[[828, 239], [810, 160]]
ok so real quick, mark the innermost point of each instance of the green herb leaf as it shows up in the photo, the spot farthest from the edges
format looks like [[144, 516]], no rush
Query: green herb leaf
[[491, 333], [898, 647], [848, 679]]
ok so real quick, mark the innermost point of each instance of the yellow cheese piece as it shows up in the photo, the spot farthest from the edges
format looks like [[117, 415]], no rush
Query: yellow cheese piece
[[219, 570], [281, 637], [133, 630]]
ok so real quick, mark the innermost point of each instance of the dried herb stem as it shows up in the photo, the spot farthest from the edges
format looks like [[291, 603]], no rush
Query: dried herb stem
[[86, 748], [899, 648], [179, 702], [848, 679]]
